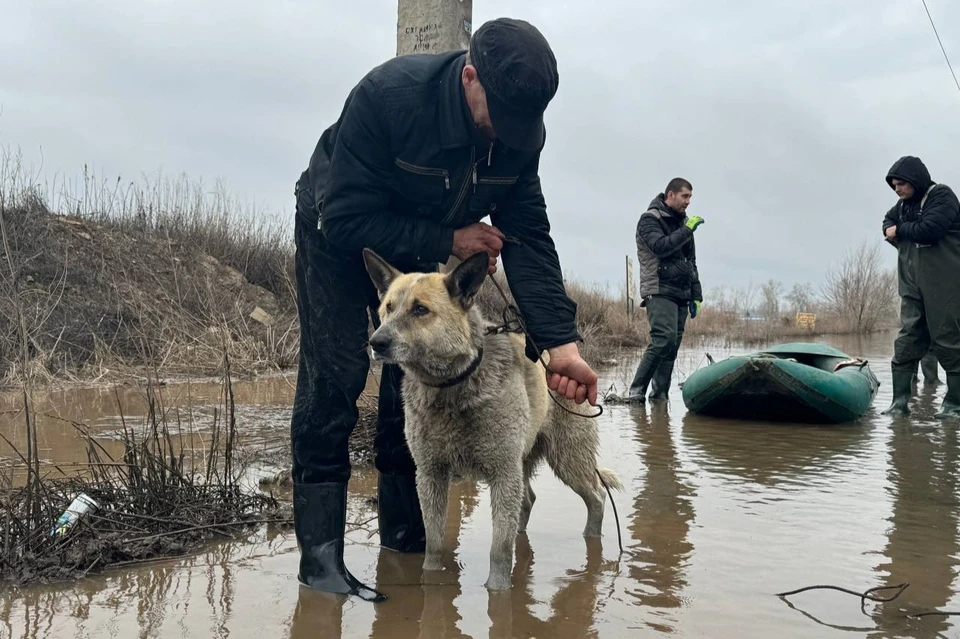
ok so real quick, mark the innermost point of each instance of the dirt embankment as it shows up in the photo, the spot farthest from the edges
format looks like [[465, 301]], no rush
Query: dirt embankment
[[101, 298], [107, 296]]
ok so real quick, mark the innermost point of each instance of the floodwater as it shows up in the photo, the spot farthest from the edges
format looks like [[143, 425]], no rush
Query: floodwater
[[716, 517]]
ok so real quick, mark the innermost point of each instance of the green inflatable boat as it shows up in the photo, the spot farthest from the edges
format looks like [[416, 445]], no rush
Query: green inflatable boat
[[801, 382]]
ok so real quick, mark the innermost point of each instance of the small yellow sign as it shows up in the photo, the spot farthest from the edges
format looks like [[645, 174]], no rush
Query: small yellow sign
[[806, 320]]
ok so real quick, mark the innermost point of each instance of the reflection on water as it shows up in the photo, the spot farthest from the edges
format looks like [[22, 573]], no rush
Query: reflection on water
[[661, 519], [791, 454], [716, 517], [189, 410], [922, 544]]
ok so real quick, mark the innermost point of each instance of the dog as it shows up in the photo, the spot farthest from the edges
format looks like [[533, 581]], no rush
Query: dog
[[477, 407]]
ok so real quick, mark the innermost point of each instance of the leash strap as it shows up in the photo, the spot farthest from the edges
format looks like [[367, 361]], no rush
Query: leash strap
[[513, 323]]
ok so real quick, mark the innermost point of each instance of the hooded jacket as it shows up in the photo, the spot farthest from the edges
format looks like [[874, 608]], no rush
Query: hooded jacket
[[928, 260], [667, 254], [940, 214]]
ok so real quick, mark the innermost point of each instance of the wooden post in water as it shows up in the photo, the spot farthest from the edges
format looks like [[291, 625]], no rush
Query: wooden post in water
[[433, 26]]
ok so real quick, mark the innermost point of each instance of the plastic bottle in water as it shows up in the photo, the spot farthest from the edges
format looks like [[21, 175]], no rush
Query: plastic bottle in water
[[80, 506]]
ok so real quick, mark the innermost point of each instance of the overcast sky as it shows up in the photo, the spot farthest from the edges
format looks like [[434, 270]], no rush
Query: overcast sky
[[784, 114]]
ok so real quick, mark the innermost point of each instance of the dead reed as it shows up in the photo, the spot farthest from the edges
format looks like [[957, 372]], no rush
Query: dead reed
[[170, 491], [112, 278]]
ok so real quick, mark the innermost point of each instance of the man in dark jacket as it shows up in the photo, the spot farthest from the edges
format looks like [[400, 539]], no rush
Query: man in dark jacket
[[425, 148], [925, 227], [669, 284]]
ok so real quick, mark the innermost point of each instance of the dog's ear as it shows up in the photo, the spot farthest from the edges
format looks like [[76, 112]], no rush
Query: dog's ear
[[380, 271], [465, 280]]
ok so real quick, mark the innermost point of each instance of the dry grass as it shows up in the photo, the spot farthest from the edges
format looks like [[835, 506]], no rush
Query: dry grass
[[601, 319], [116, 277], [607, 329], [163, 496], [729, 330], [151, 275]]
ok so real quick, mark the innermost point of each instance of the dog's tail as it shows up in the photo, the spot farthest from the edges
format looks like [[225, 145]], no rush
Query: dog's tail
[[610, 478]]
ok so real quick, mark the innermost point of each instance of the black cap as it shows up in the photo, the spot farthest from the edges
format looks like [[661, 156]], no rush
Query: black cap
[[518, 72]]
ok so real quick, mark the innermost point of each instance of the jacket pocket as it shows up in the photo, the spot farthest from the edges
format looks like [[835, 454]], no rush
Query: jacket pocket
[[676, 273], [489, 192], [421, 184], [493, 181]]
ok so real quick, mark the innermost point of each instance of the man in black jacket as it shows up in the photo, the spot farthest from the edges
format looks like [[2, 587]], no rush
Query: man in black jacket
[[925, 227], [669, 284], [425, 148]]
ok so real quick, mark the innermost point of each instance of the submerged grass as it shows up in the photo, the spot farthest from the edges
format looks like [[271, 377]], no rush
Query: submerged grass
[[163, 497]]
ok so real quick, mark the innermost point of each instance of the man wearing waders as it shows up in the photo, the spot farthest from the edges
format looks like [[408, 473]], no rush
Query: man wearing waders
[[925, 227], [669, 285], [928, 366]]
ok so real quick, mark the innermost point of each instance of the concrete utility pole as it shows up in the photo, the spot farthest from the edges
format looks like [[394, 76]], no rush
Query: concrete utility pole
[[433, 26]]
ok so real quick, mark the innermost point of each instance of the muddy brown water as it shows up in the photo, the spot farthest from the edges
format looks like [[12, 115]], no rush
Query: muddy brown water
[[716, 517]]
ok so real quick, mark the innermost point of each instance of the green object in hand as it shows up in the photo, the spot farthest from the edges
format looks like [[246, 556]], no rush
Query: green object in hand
[[694, 222], [694, 308]]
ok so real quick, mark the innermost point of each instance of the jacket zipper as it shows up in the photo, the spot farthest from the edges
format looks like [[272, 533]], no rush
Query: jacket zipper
[[506, 181], [422, 170], [496, 180], [463, 189]]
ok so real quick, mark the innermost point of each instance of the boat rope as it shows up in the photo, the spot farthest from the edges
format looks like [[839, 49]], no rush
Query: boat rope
[[706, 356], [856, 361]]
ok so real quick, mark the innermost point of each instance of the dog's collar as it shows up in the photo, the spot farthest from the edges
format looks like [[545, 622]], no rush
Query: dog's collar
[[462, 377]]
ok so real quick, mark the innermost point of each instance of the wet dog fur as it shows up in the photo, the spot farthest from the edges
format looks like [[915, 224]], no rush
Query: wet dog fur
[[496, 425]]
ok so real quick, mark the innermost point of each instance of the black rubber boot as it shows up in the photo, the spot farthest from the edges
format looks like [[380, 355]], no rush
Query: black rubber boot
[[641, 379], [930, 371], [660, 384], [401, 521], [902, 390], [950, 408], [319, 519]]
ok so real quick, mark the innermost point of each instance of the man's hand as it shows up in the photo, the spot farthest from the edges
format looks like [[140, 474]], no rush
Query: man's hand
[[694, 222], [891, 233], [472, 239], [570, 376], [694, 306]]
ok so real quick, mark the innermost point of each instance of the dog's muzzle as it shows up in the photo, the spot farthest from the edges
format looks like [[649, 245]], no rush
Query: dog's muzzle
[[380, 344]]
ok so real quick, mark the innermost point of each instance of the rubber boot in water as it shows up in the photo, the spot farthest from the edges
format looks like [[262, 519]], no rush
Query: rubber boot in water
[[641, 379], [319, 519], [902, 390], [928, 365], [401, 520], [950, 408], [660, 384]]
